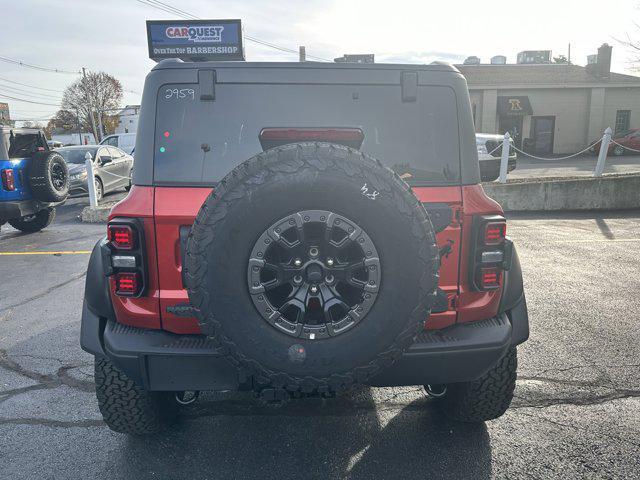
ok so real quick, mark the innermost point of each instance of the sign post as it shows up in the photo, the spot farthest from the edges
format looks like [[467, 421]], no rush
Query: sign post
[[195, 40]]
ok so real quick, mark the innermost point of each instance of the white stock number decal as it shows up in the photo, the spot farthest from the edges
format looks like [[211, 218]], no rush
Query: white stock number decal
[[180, 93], [373, 194]]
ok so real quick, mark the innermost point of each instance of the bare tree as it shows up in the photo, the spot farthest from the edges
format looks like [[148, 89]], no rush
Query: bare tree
[[99, 93]]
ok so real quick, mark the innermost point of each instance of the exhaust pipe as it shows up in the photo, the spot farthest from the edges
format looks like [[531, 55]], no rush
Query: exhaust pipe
[[436, 391], [187, 397]]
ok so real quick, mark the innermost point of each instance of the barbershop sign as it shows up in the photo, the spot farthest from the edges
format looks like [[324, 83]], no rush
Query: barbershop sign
[[513, 106], [195, 40]]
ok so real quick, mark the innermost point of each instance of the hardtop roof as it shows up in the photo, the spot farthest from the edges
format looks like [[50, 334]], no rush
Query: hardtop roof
[[172, 63]]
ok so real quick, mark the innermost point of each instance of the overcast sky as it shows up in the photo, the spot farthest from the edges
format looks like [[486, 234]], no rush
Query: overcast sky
[[109, 35]]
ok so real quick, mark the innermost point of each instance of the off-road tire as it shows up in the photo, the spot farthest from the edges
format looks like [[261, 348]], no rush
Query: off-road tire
[[42, 172], [128, 408], [35, 222], [280, 182], [483, 399], [618, 150]]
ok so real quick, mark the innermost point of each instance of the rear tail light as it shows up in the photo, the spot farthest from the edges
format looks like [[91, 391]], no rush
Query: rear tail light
[[495, 233], [489, 278], [127, 284], [273, 137], [126, 262], [121, 237], [8, 181], [490, 254]]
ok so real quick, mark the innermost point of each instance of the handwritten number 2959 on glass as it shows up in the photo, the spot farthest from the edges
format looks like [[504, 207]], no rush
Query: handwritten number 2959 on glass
[[180, 94]]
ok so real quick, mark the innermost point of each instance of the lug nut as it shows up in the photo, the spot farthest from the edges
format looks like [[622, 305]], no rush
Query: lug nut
[[297, 262], [313, 289], [329, 279], [313, 252], [330, 262], [297, 279]]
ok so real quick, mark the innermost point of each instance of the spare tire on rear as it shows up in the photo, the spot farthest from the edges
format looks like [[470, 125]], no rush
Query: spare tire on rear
[[313, 266], [48, 176]]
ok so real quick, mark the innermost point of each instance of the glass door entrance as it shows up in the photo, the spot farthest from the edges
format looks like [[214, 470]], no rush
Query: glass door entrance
[[542, 129]]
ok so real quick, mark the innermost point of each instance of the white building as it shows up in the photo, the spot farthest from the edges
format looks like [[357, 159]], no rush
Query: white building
[[128, 119]]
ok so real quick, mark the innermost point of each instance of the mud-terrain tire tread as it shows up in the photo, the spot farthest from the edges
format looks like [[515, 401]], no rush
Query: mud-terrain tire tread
[[126, 407], [486, 398], [277, 163], [42, 219], [39, 173]]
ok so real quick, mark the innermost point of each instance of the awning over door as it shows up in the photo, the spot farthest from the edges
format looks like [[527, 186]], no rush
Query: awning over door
[[516, 105]]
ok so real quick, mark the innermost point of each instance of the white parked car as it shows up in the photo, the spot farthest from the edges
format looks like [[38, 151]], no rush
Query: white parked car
[[489, 154], [123, 141]]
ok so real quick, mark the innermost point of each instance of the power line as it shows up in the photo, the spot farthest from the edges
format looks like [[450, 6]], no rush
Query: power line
[[2, 95], [30, 86], [36, 67], [21, 91], [189, 16]]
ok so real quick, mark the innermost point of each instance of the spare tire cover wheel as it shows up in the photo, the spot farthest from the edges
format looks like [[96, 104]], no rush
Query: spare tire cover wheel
[[313, 265]]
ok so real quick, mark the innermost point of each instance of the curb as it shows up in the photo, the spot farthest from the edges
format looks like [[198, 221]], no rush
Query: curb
[[99, 214], [609, 192]]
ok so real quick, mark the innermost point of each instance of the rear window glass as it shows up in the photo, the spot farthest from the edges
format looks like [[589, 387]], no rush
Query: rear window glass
[[77, 155], [198, 142], [21, 145]]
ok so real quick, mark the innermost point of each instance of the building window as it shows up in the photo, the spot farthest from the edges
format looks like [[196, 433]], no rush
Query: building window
[[623, 120]]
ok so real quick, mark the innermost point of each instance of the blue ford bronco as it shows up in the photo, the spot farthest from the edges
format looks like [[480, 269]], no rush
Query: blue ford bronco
[[34, 179]]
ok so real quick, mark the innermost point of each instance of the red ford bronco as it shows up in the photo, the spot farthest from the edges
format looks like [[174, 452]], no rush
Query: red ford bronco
[[296, 229]]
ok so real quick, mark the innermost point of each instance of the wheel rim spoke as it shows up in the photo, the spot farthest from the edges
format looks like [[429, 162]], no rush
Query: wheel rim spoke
[[314, 274]]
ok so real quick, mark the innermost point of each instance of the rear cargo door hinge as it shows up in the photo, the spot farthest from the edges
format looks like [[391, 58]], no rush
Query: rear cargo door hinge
[[207, 84], [409, 84]]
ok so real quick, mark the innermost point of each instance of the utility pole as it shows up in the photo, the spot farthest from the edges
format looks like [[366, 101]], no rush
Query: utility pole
[[79, 129], [93, 121], [303, 53]]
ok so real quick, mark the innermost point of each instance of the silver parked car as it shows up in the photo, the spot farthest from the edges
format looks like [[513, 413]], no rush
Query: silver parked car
[[112, 168]]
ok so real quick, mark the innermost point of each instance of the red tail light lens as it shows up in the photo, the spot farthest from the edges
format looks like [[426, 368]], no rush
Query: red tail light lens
[[489, 278], [495, 233], [8, 181], [121, 237], [127, 284]]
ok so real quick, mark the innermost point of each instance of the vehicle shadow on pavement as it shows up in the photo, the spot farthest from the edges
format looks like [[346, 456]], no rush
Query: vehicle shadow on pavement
[[353, 437]]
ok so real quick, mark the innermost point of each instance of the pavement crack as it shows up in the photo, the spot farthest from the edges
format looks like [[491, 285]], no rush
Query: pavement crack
[[44, 293], [574, 401], [44, 381], [52, 423]]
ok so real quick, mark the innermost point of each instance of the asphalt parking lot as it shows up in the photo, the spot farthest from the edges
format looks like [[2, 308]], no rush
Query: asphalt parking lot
[[576, 413]]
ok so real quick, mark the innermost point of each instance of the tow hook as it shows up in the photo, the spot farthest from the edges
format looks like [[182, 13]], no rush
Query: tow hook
[[436, 391], [187, 397]]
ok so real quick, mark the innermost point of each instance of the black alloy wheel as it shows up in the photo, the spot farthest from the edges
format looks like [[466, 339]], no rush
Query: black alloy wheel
[[314, 274]]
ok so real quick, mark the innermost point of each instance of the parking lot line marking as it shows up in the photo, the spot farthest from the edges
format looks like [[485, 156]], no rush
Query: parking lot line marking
[[67, 252], [605, 240]]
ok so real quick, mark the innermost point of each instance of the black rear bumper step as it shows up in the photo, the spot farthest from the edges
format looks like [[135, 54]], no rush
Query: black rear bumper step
[[159, 360]]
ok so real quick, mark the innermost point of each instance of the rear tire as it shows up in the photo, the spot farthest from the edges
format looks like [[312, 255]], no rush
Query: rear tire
[[35, 222], [618, 151], [49, 176], [483, 399], [128, 408]]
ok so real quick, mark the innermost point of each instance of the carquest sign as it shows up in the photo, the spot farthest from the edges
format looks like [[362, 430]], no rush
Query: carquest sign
[[197, 40]]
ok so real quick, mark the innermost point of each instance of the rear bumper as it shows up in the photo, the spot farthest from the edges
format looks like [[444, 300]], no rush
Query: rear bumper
[[163, 361], [17, 209], [159, 360]]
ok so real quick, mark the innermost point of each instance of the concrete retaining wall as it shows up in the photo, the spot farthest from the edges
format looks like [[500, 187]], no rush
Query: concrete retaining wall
[[609, 192]]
